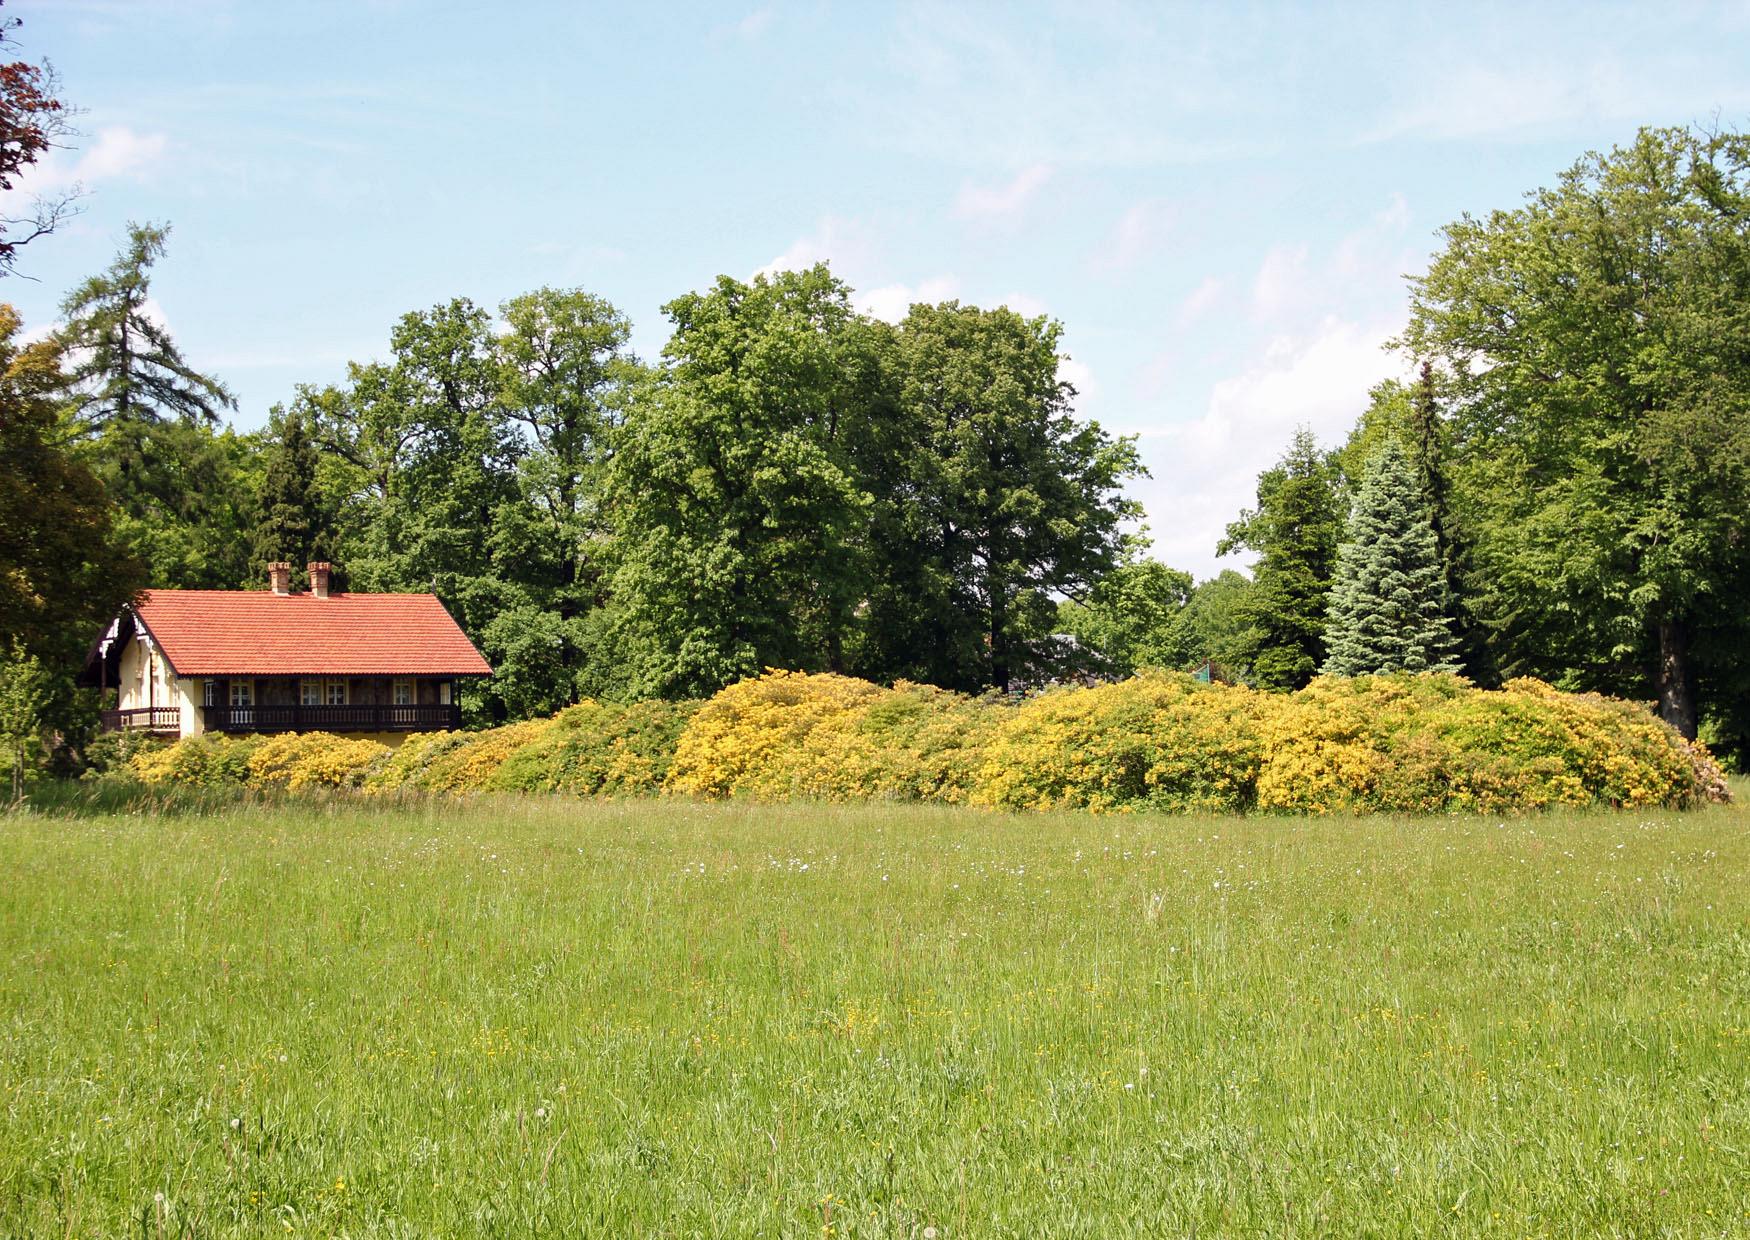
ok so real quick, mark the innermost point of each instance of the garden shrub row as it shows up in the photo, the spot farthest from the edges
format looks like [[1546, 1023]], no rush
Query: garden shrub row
[[1410, 744]]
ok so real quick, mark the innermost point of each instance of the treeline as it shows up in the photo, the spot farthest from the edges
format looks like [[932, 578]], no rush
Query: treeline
[[1564, 489], [792, 484], [1561, 492]]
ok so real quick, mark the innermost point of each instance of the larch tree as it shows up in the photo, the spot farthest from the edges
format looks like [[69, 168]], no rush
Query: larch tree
[[1388, 605], [146, 418]]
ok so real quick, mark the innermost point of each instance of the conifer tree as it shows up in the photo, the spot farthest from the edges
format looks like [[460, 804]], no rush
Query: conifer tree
[[1295, 529], [1388, 609], [291, 526]]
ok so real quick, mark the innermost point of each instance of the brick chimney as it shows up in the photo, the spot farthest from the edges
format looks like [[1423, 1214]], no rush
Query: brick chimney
[[280, 574], [319, 570]]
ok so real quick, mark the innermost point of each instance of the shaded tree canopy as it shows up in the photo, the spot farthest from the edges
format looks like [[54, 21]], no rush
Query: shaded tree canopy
[[63, 572]]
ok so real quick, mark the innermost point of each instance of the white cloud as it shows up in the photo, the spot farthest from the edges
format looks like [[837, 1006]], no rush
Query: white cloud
[[977, 202], [891, 302], [755, 23], [1079, 376], [1530, 100], [1206, 469], [1138, 232], [836, 240], [1292, 287], [118, 152], [1025, 304], [1282, 284], [1200, 301]]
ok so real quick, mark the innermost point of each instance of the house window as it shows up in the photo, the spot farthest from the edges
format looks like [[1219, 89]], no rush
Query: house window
[[337, 693], [310, 691], [403, 693], [210, 692], [243, 693], [444, 693]]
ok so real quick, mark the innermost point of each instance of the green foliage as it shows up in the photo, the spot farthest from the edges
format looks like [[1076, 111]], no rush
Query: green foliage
[[1388, 608], [210, 761], [145, 418], [1295, 529], [24, 700], [1129, 617], [128, 372], [63, 571], [292, 525], [1157, 741], [1007, 501], [1593, 342], [737, 488], [1213, 627]]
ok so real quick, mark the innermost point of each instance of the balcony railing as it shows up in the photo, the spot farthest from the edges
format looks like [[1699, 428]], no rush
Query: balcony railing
[[333, 718], [158, 720]]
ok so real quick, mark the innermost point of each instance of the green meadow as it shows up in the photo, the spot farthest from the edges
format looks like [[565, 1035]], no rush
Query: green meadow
[[550, 1017]]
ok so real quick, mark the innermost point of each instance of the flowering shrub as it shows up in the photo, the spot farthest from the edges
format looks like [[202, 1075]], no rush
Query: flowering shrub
[[751, 739], [407, 765], [1158, 740], [599, 749], [211, 761], [1406, 744], [1426, 743], [469, 763], [302, 760], [792, 734]]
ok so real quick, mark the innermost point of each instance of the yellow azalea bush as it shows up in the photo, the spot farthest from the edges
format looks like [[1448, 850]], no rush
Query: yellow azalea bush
[[211, 761], [833, 738], [599, 749], [1159, 741], [752, 738], [470, 764], [406, 766], [304, 760], [1417, 744]]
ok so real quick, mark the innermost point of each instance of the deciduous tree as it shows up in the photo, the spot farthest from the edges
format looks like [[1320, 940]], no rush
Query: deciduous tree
[[1597, 345]]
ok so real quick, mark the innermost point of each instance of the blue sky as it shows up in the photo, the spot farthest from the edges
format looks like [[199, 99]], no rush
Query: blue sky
[[1218, 202]]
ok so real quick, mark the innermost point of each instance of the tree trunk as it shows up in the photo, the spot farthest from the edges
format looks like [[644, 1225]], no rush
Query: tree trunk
[[999, 646], [1675, 679]]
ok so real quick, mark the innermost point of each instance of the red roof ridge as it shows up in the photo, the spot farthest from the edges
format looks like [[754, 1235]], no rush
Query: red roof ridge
[[264, 633]]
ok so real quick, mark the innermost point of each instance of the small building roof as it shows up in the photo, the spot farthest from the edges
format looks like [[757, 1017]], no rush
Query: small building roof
[[260, 633]]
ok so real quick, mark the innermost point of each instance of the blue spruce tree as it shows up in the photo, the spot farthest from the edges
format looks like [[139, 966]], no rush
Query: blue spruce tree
[[1389, 603]]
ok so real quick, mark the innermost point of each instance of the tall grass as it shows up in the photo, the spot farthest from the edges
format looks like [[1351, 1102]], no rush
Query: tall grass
[[533, 1016]]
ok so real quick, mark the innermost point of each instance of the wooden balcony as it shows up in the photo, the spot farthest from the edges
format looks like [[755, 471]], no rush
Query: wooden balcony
[[157, 720], [333, 718]]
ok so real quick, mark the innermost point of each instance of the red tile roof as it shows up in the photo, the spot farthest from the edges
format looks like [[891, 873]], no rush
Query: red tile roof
[[260, 633]]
